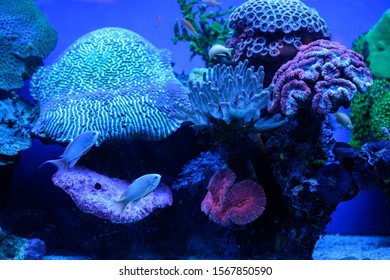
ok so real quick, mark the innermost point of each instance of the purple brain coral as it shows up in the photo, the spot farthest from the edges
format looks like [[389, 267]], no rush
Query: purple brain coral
[[323, 76], [268, 28]]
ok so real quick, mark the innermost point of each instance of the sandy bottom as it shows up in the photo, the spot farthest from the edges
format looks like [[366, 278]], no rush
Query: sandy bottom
[[351, 247]]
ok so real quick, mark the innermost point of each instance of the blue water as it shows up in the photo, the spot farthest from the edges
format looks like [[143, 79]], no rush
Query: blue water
[[366, 214]]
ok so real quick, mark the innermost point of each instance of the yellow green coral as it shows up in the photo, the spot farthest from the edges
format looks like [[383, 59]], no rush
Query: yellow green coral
[[370, 112], [375, 47]]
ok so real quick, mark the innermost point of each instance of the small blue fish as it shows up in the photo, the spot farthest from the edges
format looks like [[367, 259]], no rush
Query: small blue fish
[[217, 50], [75, 150], [140, 188], [211, 3], [344, 120]]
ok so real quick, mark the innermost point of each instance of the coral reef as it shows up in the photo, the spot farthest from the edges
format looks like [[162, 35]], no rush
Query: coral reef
[[26, 38], [270, 32], [370, 114], [93, 193], [261, 148], [210, 28], [374, 45], [112, 81], [15, 118], [16, 248], [229, 203], [312, 186], [231, 98], [323, 76]]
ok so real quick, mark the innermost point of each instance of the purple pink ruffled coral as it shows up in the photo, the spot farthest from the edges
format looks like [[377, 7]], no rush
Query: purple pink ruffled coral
[[323, 76]]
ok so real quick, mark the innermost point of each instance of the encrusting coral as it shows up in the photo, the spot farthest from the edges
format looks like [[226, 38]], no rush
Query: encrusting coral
[[17, 248], [94, 193], [26, 38], [112, 81], [15, 119], [269, 33]]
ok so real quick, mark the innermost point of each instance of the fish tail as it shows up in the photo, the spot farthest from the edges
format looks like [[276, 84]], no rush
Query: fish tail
[[230, 52], [120, 206], [59, 163]]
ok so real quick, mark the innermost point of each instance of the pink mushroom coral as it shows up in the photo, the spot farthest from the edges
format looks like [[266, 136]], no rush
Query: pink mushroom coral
[[226, 203]]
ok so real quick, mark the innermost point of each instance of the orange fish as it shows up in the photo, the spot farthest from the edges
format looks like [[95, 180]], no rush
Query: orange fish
[[158, 21], [261, 143], [189, 26]]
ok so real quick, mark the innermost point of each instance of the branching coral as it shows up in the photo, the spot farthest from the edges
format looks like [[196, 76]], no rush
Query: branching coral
[[200, 169], [210, 28], [229, 97], [323, 76]]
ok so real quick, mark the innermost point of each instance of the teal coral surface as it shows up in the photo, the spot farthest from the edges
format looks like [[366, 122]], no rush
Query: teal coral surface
[[112, 81]]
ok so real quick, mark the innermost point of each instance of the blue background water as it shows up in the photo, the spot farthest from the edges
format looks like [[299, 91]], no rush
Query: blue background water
[[369, 213]]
